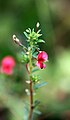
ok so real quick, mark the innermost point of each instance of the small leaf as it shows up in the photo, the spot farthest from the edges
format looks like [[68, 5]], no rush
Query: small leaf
[[39, 31], [27, 31], [35, 54], [36, 103], [37, 112], [38, 35], [26, 34], [26, 112], [24, 58], [33, 30], [35, 69], [33, 50], [41, 41], [40, 85]]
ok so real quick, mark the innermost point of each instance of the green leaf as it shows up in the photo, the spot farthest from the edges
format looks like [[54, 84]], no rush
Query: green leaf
[[26, 34], [40, 85], [35, 69], [36, 103], [27, 31], [33, 50], [33, 30], [22, 57], [37, 112], [26, 112], [41, 41], [35, 54], [38, 35], [39, 31]]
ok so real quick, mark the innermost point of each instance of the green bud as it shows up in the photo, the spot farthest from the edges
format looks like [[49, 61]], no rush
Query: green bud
[[22, 57], [35, 78], [25, 58]]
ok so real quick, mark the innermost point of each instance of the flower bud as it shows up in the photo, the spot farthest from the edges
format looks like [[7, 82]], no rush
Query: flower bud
[[38, 24], [16, 40]]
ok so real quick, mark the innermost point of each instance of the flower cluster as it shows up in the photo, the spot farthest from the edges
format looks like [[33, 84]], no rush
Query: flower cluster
[[7, 65]]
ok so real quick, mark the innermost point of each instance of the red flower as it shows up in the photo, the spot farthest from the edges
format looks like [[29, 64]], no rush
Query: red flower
[[8, 64], [42, 57]]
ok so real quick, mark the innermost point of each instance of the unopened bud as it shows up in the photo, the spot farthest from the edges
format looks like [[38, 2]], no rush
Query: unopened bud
[[28, 82], [27, 91], [38, 24], [16, 40]]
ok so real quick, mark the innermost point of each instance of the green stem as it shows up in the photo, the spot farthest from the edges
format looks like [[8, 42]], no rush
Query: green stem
[[31, 86]]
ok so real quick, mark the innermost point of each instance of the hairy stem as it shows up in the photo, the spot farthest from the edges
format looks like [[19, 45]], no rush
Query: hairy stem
[[31, 86]]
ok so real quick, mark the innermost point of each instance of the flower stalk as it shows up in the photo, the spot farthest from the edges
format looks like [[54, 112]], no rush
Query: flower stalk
[[31, 86], [32, 57]]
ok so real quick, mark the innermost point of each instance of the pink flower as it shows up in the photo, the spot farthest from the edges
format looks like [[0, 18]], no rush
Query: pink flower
[[42, 57], [8, 64]]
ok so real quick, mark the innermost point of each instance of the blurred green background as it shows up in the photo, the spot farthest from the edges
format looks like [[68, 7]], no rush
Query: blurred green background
[[54, 17]]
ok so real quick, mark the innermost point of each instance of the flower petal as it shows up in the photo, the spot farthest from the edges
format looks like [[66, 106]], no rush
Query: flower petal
[[42, 57], [8, 64], [41, 65]]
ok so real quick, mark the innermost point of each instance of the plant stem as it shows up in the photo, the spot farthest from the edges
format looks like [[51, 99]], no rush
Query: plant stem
[[31, 86]]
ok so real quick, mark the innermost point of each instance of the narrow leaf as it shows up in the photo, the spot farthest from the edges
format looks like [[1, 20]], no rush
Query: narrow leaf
[[35, 69], [33, 30], [39, 31], [37, 112], [36, 103], [27, 30], [26, 112], [40, 85], [26, 34], [38, 35], [41, 41]]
